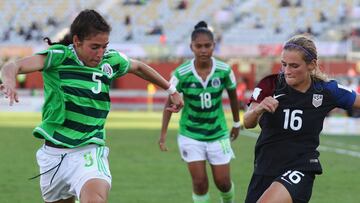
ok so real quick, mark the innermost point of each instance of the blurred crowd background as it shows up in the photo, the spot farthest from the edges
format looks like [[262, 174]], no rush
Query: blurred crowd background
[[249, 35]]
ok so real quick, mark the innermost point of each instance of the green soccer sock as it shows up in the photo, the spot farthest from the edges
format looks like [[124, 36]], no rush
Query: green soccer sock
[[201, 198], [228, 197]]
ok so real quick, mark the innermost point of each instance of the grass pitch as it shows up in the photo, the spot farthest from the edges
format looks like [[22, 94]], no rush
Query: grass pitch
[[143, 174]]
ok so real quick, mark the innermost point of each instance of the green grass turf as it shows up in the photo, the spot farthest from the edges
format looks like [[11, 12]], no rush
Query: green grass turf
[[143, 174]]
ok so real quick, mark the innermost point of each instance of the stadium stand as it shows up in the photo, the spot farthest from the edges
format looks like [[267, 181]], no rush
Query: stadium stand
[[29, 21], [237, 21], [249, 33]]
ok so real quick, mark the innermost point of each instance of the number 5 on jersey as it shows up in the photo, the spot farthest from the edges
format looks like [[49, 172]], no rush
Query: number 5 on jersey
[[97, 89]]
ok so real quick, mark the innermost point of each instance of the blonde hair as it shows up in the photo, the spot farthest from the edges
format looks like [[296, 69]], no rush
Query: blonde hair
[[307, 47]]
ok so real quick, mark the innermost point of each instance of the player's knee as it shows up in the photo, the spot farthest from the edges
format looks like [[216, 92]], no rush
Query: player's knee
[[200, 185], [223, 185]]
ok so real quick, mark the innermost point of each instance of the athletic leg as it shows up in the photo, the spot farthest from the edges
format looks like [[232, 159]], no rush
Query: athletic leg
[[200, 181], [199, 177], [221, 174], [193, 152], [95, 190], [276, 193]]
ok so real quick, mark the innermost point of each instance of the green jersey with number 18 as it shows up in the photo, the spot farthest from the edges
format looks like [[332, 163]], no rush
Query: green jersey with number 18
[[77, 98], [202, 117]]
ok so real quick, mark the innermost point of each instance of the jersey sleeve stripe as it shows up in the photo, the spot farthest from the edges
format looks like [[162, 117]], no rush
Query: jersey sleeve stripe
[[222, 64], [223, 68], [174, 80], [116, 68], [57, 51], [184, 71], [49, 59], [108, 52], [183, 67]]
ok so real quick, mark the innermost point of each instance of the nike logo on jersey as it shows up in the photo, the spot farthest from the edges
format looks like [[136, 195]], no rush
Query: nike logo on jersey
[[277, 96]]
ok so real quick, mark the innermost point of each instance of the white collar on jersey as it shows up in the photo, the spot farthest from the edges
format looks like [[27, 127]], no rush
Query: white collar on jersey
[[203, 83], [71, 47]]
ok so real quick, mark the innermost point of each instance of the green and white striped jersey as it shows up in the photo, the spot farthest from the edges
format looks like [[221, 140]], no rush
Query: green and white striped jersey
[[77, 98], [202, 117]]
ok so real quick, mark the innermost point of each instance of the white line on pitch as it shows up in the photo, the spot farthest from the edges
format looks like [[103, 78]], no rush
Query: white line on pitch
[[321, 147]]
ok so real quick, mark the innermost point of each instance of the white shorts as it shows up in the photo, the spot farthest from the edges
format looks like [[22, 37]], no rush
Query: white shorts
[[78, 166], [217, 152]]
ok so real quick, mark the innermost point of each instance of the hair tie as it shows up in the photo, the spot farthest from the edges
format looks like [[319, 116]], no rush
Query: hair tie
[[287, 45]]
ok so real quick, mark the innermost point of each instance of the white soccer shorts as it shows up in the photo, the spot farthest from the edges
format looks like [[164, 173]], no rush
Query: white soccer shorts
[[78, 166], [217, 152]]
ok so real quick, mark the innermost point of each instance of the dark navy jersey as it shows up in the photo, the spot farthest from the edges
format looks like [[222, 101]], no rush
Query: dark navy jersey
[[290, 136]]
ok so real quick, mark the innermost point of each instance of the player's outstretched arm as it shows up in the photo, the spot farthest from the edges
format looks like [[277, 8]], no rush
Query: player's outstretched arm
[[164, 125], [146, 72], [234, 104], [21, 66]]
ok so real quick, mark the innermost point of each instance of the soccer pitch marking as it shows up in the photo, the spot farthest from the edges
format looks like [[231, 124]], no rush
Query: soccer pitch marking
[[321, 147], [340, 151], [152, 120], [342, 145]]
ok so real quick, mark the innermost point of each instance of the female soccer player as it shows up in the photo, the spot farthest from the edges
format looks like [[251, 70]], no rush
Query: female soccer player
[[77, 73], [290, 108], [203, 134]]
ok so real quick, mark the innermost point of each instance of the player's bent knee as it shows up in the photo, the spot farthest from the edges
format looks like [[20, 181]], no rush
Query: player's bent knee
[[223, 185], [200, 186]]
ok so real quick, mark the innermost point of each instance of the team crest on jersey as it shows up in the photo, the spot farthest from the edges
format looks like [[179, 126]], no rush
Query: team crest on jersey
[[215, 82], [317, 100], [106, 68]]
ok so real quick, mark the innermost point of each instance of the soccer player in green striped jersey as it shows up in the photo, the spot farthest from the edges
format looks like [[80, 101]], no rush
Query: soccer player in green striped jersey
[[203, 134], [77, 73]]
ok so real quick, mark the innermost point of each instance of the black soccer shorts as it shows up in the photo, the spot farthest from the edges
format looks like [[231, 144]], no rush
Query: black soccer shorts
[[298, 183]]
